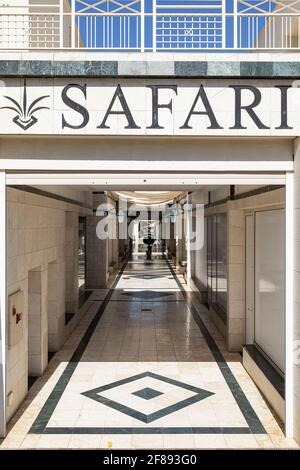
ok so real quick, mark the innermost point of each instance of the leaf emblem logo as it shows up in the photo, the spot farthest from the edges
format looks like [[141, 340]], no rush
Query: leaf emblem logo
[[25, 117]]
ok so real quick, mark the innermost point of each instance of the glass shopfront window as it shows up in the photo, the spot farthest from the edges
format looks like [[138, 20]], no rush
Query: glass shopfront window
[[81, 253], [217, 263], [269, 284]]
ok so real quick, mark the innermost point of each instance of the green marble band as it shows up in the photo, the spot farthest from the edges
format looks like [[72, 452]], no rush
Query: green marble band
[[57, 68]]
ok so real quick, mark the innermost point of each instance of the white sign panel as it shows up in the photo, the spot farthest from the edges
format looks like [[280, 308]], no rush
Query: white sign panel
[[149, 107]]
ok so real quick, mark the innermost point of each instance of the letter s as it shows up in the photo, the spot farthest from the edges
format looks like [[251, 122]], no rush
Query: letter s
[[76, 106]]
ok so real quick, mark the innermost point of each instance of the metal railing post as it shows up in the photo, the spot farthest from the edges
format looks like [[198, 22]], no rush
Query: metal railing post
[[154, 25], [73, 29], [223, 24], [235, 24], [142, 25], [61, 24]]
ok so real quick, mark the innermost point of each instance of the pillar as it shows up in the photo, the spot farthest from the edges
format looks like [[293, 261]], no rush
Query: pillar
[[135, 240], [172, 241], [296, 303], [56, 304], [3, 303], [236, 279], [97, 250], [71, 260], [37, 322], [180, 239]]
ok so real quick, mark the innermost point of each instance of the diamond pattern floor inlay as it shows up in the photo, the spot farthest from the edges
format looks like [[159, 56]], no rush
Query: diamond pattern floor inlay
[[146, 276], [192, 395], [146, 295], [147, 393], [145, 367]]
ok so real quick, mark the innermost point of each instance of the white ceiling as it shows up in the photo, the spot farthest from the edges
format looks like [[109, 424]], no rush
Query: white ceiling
[[149, 197]]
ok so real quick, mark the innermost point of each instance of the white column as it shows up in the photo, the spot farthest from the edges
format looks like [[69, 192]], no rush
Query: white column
[[71, 262], [3, 302], [96, 255], [296, 299], [235, 278], [289, 305]]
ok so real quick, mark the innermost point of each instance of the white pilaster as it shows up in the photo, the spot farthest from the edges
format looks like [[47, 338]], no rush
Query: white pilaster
[[296, 299], [3, 303], [289, 305]]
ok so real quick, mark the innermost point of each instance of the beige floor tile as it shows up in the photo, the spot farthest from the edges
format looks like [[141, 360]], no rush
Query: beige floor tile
[[149, 441], [83, 441], [13, 441], [179, 441], [238, 441], [264, 442], [50, 441], [283, 443], [116, 441], [210, 441], [30, 441]]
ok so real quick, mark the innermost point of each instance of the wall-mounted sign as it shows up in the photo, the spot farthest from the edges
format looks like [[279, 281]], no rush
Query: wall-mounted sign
[[149, 107]]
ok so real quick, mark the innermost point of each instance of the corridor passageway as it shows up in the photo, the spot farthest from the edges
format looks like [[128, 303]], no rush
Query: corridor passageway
[[145, 368]]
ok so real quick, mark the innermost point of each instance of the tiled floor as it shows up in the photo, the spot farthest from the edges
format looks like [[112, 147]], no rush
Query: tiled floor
[[145, 368]]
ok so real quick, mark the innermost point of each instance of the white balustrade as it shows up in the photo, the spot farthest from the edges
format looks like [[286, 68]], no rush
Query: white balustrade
[[150, 25]]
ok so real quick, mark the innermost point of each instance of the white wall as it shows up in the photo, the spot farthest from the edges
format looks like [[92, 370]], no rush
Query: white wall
[[70, 192], [297, 292], [154, 150], [35, 238]]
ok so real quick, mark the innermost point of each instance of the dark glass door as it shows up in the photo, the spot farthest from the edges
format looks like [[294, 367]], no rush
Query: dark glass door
[[81, 253]]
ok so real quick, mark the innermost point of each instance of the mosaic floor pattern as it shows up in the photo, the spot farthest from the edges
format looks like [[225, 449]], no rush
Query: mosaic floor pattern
[[145, 368]]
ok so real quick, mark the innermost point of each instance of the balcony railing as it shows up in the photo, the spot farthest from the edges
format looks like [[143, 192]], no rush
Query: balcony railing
[[150, 25]]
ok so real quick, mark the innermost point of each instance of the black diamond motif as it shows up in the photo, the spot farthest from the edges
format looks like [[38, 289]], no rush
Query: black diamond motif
[[147, 393], [145, 294], [146, 276], [199, 394]]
